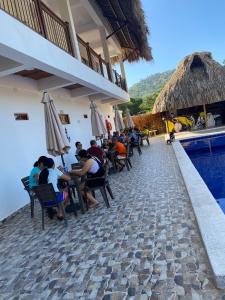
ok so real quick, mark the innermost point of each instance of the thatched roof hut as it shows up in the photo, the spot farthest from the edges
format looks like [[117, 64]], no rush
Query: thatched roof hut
[[198, 80], [127, 21]]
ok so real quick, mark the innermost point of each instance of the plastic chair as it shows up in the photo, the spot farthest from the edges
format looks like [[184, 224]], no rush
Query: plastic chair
[[25, 182], [46, 194], [103, 186], [126, 159]]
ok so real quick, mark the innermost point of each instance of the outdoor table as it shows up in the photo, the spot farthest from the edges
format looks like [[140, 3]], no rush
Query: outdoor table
[[76, 180], [153, 132], [111, 155]]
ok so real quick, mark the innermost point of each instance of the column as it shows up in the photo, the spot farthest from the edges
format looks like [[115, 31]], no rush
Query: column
[[66, 14], [105, 49], [123, 73]]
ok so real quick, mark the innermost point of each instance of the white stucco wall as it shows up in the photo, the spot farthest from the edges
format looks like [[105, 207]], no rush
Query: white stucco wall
[[22, 142]]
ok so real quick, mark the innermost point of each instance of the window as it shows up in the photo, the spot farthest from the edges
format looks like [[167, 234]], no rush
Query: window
[[21, 116], [64, 118]]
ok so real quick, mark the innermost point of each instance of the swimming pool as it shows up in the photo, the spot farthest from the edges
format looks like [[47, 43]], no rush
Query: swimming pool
[[208, 156]]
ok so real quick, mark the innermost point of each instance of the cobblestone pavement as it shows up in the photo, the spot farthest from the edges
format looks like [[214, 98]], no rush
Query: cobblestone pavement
[[146, 246]]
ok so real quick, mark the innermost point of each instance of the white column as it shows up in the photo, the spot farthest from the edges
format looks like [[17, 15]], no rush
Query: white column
[[122, 70], [105, 48], [66, 14]]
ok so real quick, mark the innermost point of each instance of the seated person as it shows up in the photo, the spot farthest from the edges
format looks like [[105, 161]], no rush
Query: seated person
[[92, 168], [50, 174], [96, 151], [121, 137], [34, 174], [145, 135], [121, 152], [133, 136], [146, 132], [105, 144], [115, 134], [119, 148], [78, 148]]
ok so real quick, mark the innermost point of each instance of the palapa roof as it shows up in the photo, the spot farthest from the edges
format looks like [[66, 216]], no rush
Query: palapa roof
[[197, 80], [133, 35]]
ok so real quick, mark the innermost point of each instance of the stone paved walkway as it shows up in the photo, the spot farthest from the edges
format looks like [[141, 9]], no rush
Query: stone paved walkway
[[146, 246]]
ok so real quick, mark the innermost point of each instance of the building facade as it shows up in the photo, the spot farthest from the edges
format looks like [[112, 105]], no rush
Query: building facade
[[64, 47]]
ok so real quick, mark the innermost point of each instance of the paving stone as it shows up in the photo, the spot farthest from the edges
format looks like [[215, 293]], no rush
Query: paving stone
[[145, 246]]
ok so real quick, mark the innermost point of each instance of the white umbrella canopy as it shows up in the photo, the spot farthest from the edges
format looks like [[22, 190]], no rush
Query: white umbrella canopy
[[130, 122], [103, 124], [56, 140], [97, 123], [119, 124]]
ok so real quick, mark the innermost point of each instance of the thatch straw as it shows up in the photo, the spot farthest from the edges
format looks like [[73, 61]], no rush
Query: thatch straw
[[198, 80], [133, 37]]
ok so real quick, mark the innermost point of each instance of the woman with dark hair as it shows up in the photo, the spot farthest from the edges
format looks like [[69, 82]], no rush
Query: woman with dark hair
[[37, 168], [93, 169], [51, 175]]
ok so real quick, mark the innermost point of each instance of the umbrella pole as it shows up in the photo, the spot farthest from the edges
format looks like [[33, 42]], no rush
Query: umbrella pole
[[63, 162], [205, 112]]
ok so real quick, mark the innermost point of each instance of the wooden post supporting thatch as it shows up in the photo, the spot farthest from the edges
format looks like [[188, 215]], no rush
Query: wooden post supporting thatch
[[205, 112]]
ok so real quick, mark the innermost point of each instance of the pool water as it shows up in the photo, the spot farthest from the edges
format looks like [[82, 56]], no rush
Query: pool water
[[208, 156]]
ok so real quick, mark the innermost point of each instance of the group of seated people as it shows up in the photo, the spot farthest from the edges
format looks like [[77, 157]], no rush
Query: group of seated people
[[92, 165], [44, 171], [113, 149]]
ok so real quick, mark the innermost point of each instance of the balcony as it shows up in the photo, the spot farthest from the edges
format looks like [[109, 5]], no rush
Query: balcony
[[36, 15], [90, 58], [40, 18]]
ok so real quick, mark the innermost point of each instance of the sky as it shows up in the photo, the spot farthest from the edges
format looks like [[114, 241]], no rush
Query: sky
[[178, 28]]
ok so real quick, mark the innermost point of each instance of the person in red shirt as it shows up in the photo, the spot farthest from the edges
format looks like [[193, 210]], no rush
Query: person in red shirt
[[96, 151]]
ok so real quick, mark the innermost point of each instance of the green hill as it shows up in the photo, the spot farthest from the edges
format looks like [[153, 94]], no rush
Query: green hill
[[150, 85]]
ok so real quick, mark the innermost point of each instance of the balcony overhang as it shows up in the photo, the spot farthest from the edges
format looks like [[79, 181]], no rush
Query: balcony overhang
[[19, 43]]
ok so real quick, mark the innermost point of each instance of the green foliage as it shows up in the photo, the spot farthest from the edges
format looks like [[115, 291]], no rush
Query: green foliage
[[148, 102], [144, 93], [150, 85], [133, 106]]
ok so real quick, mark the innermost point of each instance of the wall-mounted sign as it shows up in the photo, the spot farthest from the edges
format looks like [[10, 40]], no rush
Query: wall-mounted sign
[[21, 116], [64, 118]]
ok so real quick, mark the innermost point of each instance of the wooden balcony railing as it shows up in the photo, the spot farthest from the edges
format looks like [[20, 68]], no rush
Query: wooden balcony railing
[[119, 81], [92, 59], [39, 17], [36, 15], [98, 64]]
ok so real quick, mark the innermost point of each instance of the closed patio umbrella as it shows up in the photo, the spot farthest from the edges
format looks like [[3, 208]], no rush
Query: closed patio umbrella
[[97, 123], [119, 125], [130, 123], [103, 124], [56, 140]]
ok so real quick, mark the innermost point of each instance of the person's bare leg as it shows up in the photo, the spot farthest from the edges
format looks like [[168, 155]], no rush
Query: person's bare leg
[[92, 202]]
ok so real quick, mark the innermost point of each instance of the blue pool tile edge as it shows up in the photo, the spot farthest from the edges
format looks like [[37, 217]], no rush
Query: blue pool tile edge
[[209, 216], [201, 137]]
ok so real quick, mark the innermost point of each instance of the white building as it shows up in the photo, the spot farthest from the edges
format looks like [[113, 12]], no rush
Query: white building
[[65, 47]]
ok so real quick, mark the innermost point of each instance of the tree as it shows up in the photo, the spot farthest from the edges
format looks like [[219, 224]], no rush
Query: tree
[[148, 102], [133, 105]]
